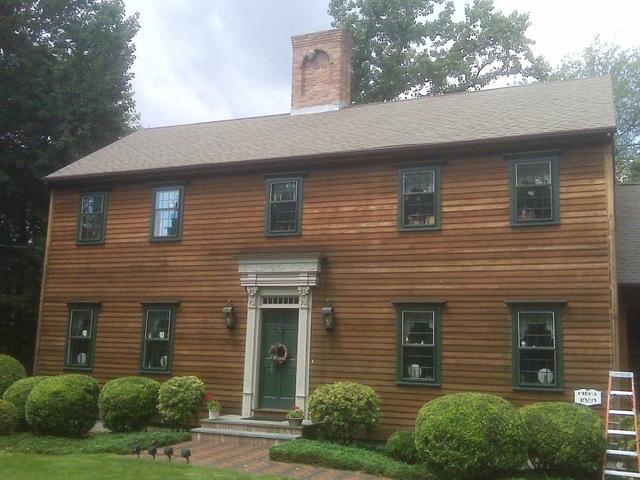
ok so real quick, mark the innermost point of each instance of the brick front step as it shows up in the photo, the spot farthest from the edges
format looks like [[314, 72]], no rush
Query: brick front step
[[241, 431]]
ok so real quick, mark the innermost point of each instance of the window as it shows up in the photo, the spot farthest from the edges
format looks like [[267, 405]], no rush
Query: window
[[157, 341], [167, 213], [419, 205], [537, 346], [81, 336], [92, 218], [534, 190], [284, 206], [418, 344]]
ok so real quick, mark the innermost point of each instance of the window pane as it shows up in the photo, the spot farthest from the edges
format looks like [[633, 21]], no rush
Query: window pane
[[419, 182], [418, 350], [528, 174], [534, 203], [167, 198], [91, 226], [418, 363], [79, 352], [167, 223], [81, 323], [537, 366], [417, 328], [420, 209], [156, 355], [283, 217], [284, 192], [158, 323], [92, 203], [536, 329]]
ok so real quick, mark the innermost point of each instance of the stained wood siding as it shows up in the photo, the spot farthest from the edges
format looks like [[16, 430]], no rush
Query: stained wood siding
[[475, 263]]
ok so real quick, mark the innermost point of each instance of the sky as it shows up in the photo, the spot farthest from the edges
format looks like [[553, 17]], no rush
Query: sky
[[205, 60]]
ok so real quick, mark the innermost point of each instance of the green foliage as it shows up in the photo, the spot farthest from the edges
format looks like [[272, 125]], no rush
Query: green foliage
[[9, 418], [179, 400], [127, 404], [18, 393], [65, 91], [11, 370], [624, 67], [66, 405], [119, 443], [401, 446], [564, 438], [341, 457], [470, 435], [415, 47], [344, 410]]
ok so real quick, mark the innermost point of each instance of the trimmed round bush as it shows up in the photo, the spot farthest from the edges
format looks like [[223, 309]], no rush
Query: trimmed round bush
[[401, 446], [127, 404], [66, 405], [11, 370], [344, 410], [470, 435], [564, 438], [17, 395], [179, 400], [9, 418]]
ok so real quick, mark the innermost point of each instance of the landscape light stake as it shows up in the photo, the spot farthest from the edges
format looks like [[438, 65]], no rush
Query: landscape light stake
[[136, 450], [168, 451], [153, 451], [186, 453]]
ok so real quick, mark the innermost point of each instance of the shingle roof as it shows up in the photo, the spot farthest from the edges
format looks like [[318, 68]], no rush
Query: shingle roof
[[538, 109], [628, 233]]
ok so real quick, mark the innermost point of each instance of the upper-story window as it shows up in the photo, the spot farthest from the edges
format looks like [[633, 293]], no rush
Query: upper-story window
[[419, 203], [81, 336], [534, 190], [92, 219], [284, 206], [167, 213]]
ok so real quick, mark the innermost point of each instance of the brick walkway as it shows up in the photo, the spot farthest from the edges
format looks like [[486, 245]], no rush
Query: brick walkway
[[255, 460]]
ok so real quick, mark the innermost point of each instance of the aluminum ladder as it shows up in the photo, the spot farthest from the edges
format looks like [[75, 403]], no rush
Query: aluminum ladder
[[617, 395]]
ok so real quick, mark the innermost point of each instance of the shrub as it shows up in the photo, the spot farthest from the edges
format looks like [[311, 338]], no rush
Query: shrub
[[564, 438], [341, 457], [401, 446], [11, 370], [17, 395], [179, 400], [66, 405], [344, 409], [470, 435], [9, 418], [127, 404]]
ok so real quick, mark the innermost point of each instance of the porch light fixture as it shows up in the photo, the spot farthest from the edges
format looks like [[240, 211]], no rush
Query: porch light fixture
[[327, 316], [168, 451], [185, 453], [228, 315]]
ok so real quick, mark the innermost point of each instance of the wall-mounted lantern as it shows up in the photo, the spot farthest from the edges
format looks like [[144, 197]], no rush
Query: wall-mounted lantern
[[328, 316], [228, 316]]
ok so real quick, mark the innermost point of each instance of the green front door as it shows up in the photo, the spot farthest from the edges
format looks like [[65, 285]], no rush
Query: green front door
[[278, 381]]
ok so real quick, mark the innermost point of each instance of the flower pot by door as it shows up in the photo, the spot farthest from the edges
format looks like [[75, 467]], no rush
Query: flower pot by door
[[213, 414], [295, 422]]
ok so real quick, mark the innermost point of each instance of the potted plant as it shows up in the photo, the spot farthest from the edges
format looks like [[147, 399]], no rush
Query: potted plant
[[213, 406], [295, 416]]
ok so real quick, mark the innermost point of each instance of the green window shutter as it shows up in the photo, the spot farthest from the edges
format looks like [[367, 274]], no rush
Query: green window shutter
[[419, 198], [533, 185], [283, 208], [81, 337], [158, 331], [537, 346], [92, 217], [167, 212], [418, 344]]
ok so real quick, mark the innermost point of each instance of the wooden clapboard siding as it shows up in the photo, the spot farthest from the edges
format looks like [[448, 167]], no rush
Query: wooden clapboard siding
[[475, 263]]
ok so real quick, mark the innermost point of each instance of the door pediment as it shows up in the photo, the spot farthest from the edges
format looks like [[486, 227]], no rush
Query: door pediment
[[279, 270]]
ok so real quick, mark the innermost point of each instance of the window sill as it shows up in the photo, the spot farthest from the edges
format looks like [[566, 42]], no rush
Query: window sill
[[81, 243], [167, 239], [77, 369], [406, 383], [538, 223], [155, 372], [430, 228], [539, 389], [283, 234]]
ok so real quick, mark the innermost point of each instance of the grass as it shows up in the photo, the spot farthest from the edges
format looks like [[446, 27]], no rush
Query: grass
[[18, 466], [341, 457], [120, 443]]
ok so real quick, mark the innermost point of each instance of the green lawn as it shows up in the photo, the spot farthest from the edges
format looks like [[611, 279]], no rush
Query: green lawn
[[19, 466], [97, 443]]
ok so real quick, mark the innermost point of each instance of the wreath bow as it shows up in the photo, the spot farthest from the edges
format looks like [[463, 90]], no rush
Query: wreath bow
[[279, 353]]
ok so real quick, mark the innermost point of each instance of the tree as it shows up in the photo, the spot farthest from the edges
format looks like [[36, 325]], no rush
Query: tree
[[65, 91], [415, 47], [624, 67]]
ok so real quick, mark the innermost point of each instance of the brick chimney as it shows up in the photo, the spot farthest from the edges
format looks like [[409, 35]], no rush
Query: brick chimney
[[321, 72]]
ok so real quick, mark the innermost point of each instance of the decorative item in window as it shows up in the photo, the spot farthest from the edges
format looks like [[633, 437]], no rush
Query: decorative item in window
[[213, 406], [328, 316], [545, 376], [228, 315], [279, 354], [82, 359], [295, 416]]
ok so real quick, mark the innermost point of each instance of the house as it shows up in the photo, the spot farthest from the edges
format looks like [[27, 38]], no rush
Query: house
[[423, 247]]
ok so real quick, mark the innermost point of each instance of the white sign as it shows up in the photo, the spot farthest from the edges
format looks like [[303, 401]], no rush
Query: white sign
[[587, 396]]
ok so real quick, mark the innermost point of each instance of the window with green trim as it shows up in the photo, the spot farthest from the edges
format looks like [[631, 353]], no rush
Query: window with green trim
[[419, 203], [81, 336], [284, 206], [157, 339], [537, 346], [418, 344], [92, 217], [167, 213], [534, 190]]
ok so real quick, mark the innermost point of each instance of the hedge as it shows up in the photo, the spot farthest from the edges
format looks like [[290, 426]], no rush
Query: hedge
[[127, 404], [11, 370], [17, 395]]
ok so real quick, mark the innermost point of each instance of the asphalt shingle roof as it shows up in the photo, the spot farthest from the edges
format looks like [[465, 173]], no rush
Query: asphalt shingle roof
[[539, 109], [628, 233]]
